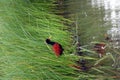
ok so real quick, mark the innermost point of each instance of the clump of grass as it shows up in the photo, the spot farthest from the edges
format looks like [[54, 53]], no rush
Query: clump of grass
[[24, 55]]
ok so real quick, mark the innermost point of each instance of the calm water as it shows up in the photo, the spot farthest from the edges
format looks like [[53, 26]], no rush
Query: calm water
[[95, 18]]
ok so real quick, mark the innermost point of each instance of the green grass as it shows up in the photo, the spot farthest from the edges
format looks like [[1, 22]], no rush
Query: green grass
[[24, 55]]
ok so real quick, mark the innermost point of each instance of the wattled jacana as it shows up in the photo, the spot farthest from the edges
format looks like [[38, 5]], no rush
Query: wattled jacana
[[81, 65], [100, 49], [57, 48]]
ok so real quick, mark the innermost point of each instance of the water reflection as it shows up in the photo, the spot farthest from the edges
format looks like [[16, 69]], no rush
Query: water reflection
[[112, 10], [112, 15]]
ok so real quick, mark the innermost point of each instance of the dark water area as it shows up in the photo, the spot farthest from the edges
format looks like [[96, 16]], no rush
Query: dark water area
[[61, 8], [93, 19]]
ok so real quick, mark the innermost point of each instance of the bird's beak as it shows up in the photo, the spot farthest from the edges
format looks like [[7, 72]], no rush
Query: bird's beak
[[106, 35], [50, 37]]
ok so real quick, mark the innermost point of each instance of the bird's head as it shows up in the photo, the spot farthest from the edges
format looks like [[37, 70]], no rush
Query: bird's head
[[48, 41]]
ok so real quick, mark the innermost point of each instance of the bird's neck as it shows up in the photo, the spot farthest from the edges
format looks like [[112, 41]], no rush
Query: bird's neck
[[51, 43]]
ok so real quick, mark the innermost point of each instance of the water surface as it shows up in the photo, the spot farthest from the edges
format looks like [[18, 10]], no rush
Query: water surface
[[95, 18]]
